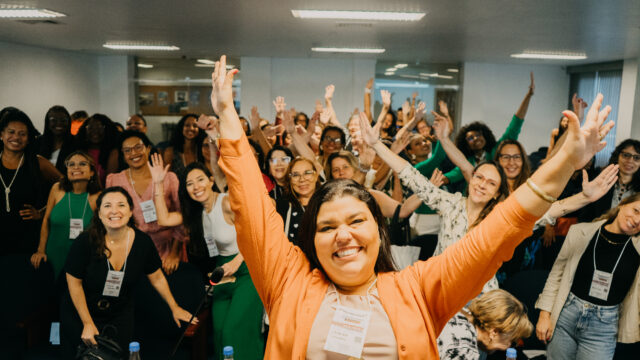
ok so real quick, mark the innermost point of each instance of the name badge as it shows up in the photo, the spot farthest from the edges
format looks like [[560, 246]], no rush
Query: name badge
[[148, 211], [211, 246], [113, 283], [348, 330], [75, 228], [600, 285]]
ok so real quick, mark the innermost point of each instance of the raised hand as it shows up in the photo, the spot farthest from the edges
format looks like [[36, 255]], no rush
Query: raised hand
[[401, 142], [325, 117], [287, 120], [444, 109], [369, 84], [319, 106], [437, 178], [386, 98], [370, 135], [209, 124], [279, 105], [421, 111], [406, 109], [221, 84], [254, 119], [578, 106], [158, 171], [328, 92], [595, 189], [414, 95], [441, 126], [582, 143], [532, 85]]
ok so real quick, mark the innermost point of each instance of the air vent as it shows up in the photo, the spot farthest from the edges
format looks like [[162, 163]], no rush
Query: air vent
[[34, 22], [354, 25]]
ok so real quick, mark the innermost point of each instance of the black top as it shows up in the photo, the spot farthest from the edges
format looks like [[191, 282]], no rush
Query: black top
[[83, 263], [295, 219], [21, 236], [606, 256], [277, 191]]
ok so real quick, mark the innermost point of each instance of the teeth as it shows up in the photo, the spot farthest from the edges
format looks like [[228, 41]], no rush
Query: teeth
[[199, 193], [348, 252], [114, 218]]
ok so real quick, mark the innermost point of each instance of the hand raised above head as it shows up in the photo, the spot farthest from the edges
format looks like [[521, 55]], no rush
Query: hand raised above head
[[370, 135], [221, 84], [280, 105], [386, 98], [328, 92], [158, 171], [532, 84], [441, 126]]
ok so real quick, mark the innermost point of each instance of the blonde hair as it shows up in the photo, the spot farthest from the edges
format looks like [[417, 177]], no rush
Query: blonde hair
[[501, 311], [613, 212]]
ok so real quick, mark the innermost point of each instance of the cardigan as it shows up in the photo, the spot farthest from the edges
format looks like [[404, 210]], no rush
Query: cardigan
[[558, 285], [418, 300]]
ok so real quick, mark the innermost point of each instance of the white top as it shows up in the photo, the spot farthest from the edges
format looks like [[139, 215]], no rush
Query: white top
[[54, 156], [213, 224]]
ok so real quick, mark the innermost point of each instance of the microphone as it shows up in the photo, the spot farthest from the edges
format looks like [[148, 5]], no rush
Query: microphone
[[216, 275]]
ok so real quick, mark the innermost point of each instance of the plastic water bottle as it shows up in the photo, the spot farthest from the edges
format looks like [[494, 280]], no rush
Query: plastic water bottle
[[134, 350], [227, 353], [512, 354]]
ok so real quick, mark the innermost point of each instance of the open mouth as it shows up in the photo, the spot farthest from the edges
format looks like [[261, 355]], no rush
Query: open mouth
[[115, 218], [348, 253]]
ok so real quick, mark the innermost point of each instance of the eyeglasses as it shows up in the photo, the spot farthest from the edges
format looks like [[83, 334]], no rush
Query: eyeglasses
[[72, 164], [336, 141], [481, 179], [625, 155], [473, 137], [305, 175], [284, 160], [507, 157], [137, 148]]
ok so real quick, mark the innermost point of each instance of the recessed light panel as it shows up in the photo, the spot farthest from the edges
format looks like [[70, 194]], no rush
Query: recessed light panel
[[358, 15], [549, 55], [348, 50], [139, 46], [20, 12]]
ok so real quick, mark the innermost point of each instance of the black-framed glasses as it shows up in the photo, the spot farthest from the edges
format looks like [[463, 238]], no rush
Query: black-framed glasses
[[137, 148], [296, 176], [507, 157], [329, 139], [626, 155]]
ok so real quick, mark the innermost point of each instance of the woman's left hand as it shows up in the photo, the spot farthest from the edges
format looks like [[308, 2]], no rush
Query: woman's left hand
[[231, 267], [180, 314], [170, 263], [30, 213], [595, 189], [370, 135]]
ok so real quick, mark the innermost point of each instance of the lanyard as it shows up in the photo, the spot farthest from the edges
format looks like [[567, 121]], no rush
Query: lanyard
[[619, 257], [86, 201]]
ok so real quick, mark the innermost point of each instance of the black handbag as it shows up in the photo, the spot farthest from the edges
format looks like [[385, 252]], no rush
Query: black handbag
[[399, 229], [107, 348]]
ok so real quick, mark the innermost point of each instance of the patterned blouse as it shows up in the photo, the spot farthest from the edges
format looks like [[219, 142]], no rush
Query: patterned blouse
[[458, 340], [452, 209]]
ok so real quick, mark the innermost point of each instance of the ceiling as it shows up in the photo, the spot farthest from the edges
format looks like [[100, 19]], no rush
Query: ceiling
[[453, 31]]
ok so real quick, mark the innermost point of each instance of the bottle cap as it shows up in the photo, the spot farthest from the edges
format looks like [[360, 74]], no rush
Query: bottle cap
[[227, 350], [134, 346], [512, 353]]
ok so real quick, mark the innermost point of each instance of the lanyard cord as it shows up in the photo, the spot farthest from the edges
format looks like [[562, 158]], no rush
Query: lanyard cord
[[86, 201], [619, 257]]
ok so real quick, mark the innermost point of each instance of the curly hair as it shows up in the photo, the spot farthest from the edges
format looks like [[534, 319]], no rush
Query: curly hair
[[461, 138]]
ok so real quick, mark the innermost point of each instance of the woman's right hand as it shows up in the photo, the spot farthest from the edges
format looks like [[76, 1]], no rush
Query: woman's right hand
[[88, 334], [543, 327], [37, 257], [158, 172], [370, 135]]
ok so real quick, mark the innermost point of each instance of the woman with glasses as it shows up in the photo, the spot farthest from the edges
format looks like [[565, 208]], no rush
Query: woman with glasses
[[627, 156], [277, 162], [333, 139], [136, 179], [301, 182], [69, 210], [237, 311], [512, 158]]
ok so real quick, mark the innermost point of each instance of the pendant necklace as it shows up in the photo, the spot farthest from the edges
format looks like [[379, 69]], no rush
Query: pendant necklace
[[7, 189]]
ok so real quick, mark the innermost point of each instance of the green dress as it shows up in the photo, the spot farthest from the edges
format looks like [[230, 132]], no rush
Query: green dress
[[58, 242]]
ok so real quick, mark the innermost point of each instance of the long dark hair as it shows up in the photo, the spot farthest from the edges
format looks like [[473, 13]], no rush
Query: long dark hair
[[96, 229], [177, 138], [122, 164], [615, 155], [267, 159], [343, 136], [288, 186], [337, 189], [108, 142], [392, 129], [191, 209], [461, 138], [11, 114], [525, 171], [45, 147], [93, 186], [503, 192]]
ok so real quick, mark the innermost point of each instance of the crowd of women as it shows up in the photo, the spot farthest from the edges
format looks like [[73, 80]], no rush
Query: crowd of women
[[301, 214]]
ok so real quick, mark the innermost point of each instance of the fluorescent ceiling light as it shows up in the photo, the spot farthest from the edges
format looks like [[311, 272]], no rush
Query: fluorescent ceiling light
[[401, 66], [389, 73], [145, 66], [348, 50], [436, 75], [453, 70], [206, 61], [410, 76], [549, 55], [357, 15], [391, 69], [413, 84], [19, 12], [140, 46]]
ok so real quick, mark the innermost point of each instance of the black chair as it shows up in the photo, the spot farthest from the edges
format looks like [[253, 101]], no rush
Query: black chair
[[155, 328]]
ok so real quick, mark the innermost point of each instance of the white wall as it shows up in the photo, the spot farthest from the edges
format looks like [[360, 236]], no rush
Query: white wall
[[629, 109], [33, 79], [491, 93], [301, 82]]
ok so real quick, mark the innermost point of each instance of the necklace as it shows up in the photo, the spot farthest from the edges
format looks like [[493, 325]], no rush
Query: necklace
[[131, 178], [610, 241], [7, 189]]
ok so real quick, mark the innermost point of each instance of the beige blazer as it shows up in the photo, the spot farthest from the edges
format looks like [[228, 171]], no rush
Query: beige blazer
[[559, 282]]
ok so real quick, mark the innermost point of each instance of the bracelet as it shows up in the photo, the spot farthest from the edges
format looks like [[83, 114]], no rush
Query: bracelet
[[367, 91], [541, 194]]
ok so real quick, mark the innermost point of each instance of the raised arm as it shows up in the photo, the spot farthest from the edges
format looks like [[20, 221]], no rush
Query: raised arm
[[328, 100], [524, 105], [158, 173], [441, 127], [256, 132], [367, 99], [386, 104], [300, 138]]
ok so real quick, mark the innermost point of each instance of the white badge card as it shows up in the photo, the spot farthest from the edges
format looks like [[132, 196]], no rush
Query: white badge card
[[148, 211], [600, 285], [75, 228], [348, 330], [113, 283], [211, 246]]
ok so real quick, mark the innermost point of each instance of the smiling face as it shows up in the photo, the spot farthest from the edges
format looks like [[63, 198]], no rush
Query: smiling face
[[78, 168], [423, 128], [388, 121], [15, 136], [135, 153], [115, 211], [628, 219], [58, 123], [510, 159], [190, 129], [347, 241], [278, 164], [476, 140], [341, 169], [484, 184], [303, 178], [419, 146], [136, 123], [628, 166], [331, 142], [95, 131], [199, 186]]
